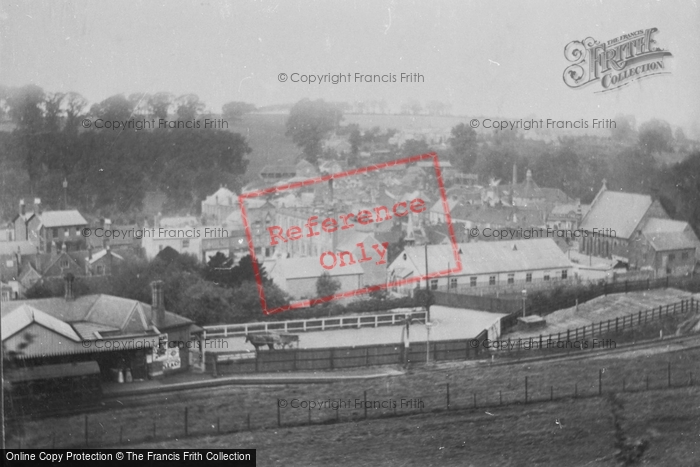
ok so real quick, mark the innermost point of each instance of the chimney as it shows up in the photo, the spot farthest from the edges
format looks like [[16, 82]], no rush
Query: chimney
[[37, 206], [68, 286], [21, 207], [107, 236], [89, 252], [157, 303], [528, 176]]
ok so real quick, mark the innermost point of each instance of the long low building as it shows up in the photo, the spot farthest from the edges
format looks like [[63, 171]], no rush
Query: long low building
[[484, 264]]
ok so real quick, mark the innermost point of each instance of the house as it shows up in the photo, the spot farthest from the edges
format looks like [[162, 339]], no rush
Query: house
[[219, 205], [121, 237], [615, 221], [275, 173], [522, 194], [513, 264], [118, 333], [298, 276], [45, 229], [306, 169], [666, 247], [354, 241], [13, 255]]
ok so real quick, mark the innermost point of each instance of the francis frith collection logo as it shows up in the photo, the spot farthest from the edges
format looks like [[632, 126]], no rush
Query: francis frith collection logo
[[615, 63]]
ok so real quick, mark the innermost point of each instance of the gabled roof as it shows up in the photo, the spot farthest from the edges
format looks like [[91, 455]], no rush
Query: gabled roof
[[23, 247], [50, 219], [621, 212], [23, 316], [491, 257], [101, 254], [303, 268], [666, 241], [664, 225], [222, 196]]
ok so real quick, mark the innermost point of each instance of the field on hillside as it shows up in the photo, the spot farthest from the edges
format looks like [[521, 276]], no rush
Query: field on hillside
[[567, 433], [487, 386]]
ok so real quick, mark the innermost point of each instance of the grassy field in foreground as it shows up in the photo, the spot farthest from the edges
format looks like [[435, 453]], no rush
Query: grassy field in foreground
[[227, 408], [509, 436]]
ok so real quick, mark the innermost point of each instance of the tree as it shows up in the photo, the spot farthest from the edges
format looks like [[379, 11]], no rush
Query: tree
[[53, 111], [159, 104], [655, 137], [463, 143], [309, 123], [116, 108], [234, 111], [25, 107], [188, 107], [623, 131], [326, 285], [414, 147], [75, 104]]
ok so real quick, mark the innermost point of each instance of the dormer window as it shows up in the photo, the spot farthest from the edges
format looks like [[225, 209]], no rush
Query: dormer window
[[64, 264]]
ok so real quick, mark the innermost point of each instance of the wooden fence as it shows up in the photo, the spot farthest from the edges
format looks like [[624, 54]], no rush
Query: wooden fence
[[476, 302], [314, 324], [615, 325], [585, 294], [266, 361]]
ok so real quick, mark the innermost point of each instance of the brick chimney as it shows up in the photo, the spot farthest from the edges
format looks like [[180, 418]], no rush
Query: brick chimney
[[21, 207], [68, 286], [157, 303], [37, 206]]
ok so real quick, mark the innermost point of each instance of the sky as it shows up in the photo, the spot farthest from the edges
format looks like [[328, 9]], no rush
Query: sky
[[484, 58]]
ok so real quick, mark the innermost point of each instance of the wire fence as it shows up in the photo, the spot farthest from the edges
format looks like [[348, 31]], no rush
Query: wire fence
[[108, 429]]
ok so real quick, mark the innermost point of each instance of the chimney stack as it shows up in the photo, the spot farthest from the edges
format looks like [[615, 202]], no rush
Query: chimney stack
[[37, 206], [21, 207], [68, 286], [157, 303]]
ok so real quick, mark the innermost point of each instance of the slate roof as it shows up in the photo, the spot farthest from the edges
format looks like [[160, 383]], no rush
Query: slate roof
[[24, 315], [491, 257], [304, 268], [667, 241], [70, 218], [621, 212], [10, 248]]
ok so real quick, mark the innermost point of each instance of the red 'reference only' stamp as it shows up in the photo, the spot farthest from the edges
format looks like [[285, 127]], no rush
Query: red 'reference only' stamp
[[352, 245]]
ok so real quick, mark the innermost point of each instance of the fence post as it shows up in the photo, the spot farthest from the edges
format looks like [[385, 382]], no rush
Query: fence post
[[186, 420], [309, 416], [86, 431], [365, 396], [640, 318], [540, 341], [218, 424], [332, 358], [526, 389], [690, 378], [600, 382], [448, 396]]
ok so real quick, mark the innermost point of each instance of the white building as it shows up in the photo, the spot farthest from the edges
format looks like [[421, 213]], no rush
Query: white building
[[522, 263], [298, 276]]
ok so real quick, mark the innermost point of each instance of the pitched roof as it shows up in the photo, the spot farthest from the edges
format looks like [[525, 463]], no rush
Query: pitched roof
[[664, 225], [666, 241], [621, 212], [23, 316], [52, 219], [304, 268], [222, 196], [24, 248], [491, 257]]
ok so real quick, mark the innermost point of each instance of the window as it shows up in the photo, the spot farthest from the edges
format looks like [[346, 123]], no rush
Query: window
[[492, 280], [564, 274], [64, 264], [546, 276], [472, 281], [528, 277], [684, 255], [671, 257], [100, 270], [433, 284], [55, 233], [511, 278], [185, 244], [453, 282], [66, 232]]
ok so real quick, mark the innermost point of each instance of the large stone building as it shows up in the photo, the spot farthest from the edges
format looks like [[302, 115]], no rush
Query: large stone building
[[637, 232]]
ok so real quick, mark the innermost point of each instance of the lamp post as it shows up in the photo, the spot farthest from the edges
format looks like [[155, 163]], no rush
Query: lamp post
[[65, 193], [524, 300]]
